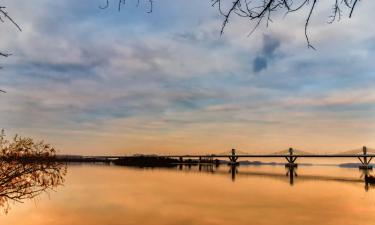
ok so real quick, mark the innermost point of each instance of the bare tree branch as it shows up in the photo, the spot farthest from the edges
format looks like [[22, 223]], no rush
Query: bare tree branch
[[260, 10], [307, 24], [120, 3], [4, 16], [105, 6]]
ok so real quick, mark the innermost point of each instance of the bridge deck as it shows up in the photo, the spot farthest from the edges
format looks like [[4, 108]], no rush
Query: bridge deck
[[276, 156], [249, 156]]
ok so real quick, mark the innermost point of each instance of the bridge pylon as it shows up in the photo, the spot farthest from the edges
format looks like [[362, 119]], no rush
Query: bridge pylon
[[291, 159], [233, 158], [365, 160]]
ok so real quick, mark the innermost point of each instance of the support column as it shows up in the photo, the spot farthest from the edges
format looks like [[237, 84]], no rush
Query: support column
[[291, 159], [233, 164], [365, 160], [233, 158]]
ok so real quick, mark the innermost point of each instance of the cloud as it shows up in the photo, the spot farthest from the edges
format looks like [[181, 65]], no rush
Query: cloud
[[113, 80], [260, 63], [267, 53], [270, 45]]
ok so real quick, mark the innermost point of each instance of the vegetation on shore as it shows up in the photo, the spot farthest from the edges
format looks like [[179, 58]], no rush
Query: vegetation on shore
[[21, 175], [147, 161], [23, 148]]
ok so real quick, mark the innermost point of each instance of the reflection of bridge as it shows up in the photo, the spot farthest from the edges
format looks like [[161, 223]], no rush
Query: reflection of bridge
[[291, 174]]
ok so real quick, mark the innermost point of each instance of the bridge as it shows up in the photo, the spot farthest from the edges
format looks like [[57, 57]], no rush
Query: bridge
[[364, 155]]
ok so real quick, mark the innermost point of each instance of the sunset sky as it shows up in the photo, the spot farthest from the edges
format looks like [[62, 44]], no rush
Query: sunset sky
[[92, 81]]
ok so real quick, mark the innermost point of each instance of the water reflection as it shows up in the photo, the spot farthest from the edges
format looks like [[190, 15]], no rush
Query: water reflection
[[20, 181], [364, 176], [233, 171], [205, 194], [368, 178], [291, 173]]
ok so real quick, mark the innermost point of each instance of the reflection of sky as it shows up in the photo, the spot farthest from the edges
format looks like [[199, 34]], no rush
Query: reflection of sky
[[170, 197], [100, 81]]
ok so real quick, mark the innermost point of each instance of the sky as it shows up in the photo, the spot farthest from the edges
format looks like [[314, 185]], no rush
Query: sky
[[92, 81]]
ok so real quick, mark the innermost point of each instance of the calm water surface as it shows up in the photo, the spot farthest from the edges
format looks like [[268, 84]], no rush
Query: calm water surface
[[110, 195]]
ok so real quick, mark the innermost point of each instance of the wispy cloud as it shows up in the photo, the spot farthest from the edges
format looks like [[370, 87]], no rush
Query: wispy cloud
[[130, 81]]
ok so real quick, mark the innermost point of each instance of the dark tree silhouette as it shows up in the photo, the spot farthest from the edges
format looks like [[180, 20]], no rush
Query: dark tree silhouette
[[27, 169]]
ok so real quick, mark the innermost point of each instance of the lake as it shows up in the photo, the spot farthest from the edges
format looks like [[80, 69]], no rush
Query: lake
[[113, 195]]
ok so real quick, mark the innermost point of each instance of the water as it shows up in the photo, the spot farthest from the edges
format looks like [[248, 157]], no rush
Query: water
[[110, 195]]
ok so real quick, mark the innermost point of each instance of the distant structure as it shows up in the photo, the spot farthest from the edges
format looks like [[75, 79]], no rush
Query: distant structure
[[291, 155]]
